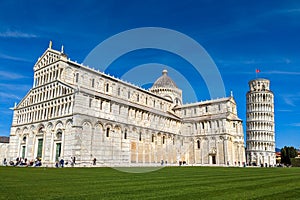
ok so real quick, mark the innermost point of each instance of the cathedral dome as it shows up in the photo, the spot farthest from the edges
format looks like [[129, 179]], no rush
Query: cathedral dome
[[164, 81]]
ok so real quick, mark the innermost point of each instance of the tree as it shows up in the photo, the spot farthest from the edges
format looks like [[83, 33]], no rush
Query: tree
[[287, 153]]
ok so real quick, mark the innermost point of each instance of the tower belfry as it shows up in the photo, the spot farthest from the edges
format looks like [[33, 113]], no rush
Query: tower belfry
[[260, 124]]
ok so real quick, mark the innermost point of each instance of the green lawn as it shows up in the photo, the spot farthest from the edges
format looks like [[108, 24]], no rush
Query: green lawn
[[166, 183]]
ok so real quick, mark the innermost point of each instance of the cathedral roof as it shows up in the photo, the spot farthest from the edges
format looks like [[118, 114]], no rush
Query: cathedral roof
[[164, 81]]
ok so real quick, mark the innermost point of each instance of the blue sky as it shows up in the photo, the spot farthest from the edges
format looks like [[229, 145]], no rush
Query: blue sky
[[239, 36]]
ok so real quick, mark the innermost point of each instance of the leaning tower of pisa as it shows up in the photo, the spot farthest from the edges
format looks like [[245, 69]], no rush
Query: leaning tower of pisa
[[260, 149]]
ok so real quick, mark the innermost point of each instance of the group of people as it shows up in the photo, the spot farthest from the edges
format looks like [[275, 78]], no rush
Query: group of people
[[23, 162], [61, 162]]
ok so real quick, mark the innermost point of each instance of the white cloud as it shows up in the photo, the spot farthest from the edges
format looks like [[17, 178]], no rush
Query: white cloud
[[282, 110], [296, 124], [16, 34], [282, 72], [7, 57], [10, 75], [9, 96], [15, 87], [289, 101]]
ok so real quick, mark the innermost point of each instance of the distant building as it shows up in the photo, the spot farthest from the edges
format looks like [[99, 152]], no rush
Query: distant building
[[75, 111], [4, 139], [4, 142], [260, 148]]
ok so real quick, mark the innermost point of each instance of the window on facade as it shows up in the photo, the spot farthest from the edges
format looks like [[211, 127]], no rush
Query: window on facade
[[163, 139], [93, 82], [119, 91], [233, 125], [77, 77], [198, 144], [152, 139], [90, 102], [146, 101], [58, 151], [219, 106], [40, 148], [24, 139], [100, 104], [107, 131], [206, 109], [107, 87], [59, 136], [140, 136], [138, 98], [128, 95], [125, 134], [184, 112], [23, 151], [110, 107]]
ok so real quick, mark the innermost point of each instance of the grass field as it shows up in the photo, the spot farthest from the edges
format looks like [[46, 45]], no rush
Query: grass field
[[166, 183]]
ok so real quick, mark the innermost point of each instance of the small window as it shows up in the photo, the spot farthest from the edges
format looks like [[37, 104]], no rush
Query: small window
[[128, 95], [90, 102], [206, 109], [119, 91], [76, 77], [195, 111], [107, 87], [152, 140], [140, 137], [125, 134], [59, 136], [101, 104], [163, 141], [198, 144], [93, 82], [107, 131], [138, 98]]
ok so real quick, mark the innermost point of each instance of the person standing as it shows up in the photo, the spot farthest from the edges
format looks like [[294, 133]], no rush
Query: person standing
[[4, 162], [61, 162]]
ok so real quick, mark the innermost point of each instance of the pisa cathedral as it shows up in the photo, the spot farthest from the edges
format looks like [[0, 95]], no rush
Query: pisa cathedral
[[75, 111]]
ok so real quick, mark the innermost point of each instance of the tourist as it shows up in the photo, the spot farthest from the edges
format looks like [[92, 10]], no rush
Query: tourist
[[72, 162], [4, 162], [94, 161], [62, 163]]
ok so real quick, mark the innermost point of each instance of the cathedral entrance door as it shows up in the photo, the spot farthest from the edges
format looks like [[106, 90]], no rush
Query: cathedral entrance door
[[214, 159], [57, 151]]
